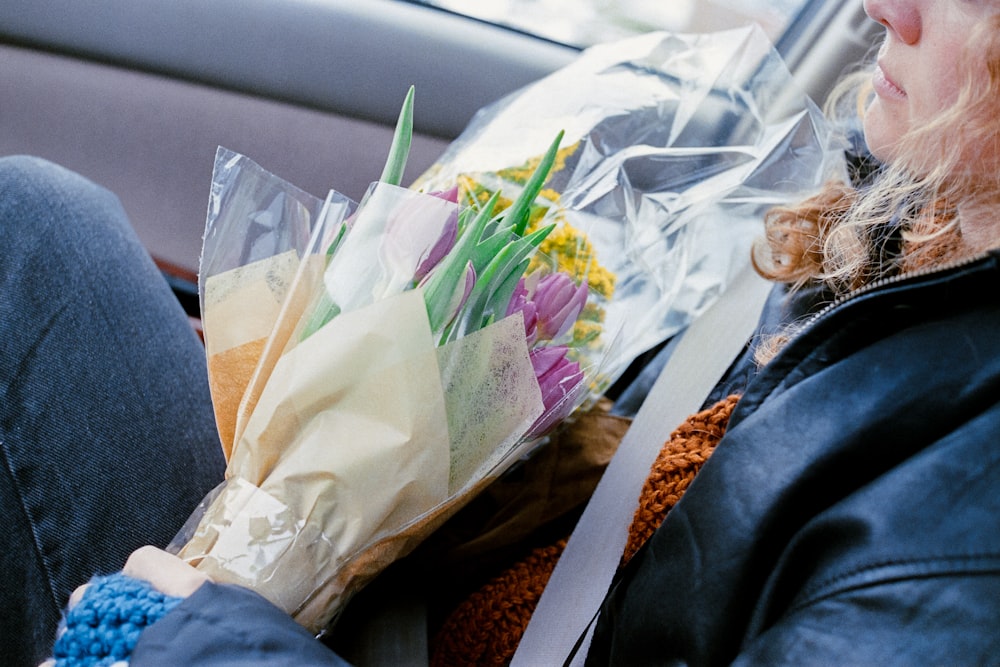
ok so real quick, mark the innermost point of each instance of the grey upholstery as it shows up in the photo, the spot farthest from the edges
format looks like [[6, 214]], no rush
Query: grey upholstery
[[137, 94], [353, 57]]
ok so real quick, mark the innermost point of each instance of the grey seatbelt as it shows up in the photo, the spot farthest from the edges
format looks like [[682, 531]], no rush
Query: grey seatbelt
[[584, 572]]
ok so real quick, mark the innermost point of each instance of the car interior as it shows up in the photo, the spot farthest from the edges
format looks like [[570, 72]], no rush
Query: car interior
[[138, 94]]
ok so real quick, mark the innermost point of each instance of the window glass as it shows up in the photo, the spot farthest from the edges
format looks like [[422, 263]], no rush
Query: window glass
[[583, 23]]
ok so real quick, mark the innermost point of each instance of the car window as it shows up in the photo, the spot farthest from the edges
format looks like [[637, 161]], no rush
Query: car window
[[583, 23]]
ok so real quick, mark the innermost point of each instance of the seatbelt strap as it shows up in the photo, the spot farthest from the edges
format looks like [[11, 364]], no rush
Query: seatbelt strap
[[585, 569]]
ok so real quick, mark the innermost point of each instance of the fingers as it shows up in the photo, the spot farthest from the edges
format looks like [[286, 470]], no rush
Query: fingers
[[166, 572], [77, 595]]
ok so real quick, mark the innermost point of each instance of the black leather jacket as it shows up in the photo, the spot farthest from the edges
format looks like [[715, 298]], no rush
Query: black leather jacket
[[851, 514]]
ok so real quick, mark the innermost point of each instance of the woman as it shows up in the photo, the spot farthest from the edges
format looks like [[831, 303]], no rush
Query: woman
[[850, 514]]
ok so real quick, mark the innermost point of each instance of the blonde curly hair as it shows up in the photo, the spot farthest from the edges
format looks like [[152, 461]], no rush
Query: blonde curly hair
[[941, 171]]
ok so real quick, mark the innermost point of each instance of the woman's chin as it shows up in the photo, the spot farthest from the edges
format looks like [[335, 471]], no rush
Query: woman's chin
[[881, 131]]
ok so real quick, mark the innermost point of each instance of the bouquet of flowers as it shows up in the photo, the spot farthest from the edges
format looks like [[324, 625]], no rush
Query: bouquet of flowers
[[372, 366]]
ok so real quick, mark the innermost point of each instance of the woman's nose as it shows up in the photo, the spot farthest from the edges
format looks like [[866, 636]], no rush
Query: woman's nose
[[900, 17]]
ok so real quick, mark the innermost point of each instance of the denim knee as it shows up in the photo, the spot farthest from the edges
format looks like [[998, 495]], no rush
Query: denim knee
[[42, 175], [42, 202], [56, 225]]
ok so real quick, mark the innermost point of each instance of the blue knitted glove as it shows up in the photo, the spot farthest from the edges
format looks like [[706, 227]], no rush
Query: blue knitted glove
[[103, 628]]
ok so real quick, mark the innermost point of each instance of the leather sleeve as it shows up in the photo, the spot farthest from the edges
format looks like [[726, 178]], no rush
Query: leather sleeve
[[229, 626], [947, 616]]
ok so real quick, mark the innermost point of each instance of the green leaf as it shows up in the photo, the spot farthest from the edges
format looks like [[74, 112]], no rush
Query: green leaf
[[323, 312], [400, 149], [444, 279], [502, 293], [495, 284], [335, 244], [519, 212]]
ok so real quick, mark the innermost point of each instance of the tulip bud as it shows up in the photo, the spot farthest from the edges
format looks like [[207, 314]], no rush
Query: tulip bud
[[441, 247], [559, 380], [558, 301], [521, 302], [451, 194]]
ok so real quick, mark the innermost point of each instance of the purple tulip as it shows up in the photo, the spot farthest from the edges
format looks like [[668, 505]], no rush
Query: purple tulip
[[441, 247], [560, 380], [558, 302], [521, 301], [450, 194]]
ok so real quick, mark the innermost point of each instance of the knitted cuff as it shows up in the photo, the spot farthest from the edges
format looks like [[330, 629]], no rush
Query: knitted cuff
[[102, 629]]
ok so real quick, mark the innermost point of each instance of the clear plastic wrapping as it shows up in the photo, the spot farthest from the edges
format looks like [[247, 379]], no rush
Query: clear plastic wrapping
[[675, 146], [369, 378]]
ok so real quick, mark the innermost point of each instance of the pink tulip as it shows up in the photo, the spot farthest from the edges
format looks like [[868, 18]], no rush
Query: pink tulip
[[450, 194], [441, 247], [521, 302], [559, 380], [558, 301]]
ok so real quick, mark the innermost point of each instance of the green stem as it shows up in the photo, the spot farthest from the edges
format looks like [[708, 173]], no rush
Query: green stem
[[400, 149]]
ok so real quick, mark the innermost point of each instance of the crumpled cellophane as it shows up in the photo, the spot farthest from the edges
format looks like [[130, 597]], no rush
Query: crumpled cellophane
[[350, 442], [675, 147]]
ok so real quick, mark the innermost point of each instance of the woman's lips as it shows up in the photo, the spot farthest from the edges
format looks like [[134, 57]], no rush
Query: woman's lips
[[885, 87]]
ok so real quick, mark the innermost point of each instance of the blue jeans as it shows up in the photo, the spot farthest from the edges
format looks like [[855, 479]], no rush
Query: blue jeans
[[107, 436]]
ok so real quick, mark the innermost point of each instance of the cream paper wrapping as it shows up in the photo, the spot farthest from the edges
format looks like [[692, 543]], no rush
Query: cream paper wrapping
[[241, 307], [363, 439]]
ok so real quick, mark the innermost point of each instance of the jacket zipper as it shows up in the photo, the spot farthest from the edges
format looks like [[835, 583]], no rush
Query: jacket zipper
[[884, 282]]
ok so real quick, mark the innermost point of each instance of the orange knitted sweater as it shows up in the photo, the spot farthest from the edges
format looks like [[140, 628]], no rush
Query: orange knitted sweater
[[486, 627]]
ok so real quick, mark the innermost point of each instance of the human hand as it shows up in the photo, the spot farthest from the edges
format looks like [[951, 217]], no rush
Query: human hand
[[165, 572]]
